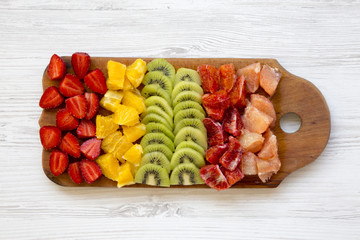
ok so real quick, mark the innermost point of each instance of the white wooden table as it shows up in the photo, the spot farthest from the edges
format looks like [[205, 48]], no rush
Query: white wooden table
[[317, 40]]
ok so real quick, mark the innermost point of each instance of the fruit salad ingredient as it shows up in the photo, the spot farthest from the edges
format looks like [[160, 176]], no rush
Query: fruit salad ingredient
[[131, 99], [126, 115], [232, 122], [51, 98], [77, 106], [109, 165], [116, 72], [251, 141], [234, 176], [213, 177], [105, 126], [269, 79], [210, 78], [135, 132], [74, 172], [214, 153], [70, 145], [215, 132], [135, 72], [163, 66], [186, 174], [86, 129], [95, 80], [57, 68], [238, 93], [248, 163], [90, 171], [71, 86], [227, 76], [251, 74], [93, 105], [50, 136], [91, 148], [152, 174], [256, 121], [65, 121], [266, 168], [125, 175], [133, 155], [58, 162], [80, 62]]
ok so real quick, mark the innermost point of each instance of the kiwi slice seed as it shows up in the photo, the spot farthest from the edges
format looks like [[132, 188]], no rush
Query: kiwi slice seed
[[157, 158], [190, 122], [158, 111], [191, 134], [152, 117], [159, 79], [186, 174], [187, 155], [156, 138], [159, 148], [155, 90], [188, 113], [163, 66], [152, 174], [186, 86], [187, 96], [161, 103], [190, 144], [187, 75]]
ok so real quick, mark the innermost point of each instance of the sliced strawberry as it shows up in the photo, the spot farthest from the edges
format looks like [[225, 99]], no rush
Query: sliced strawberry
[[232, 122], [58, 162], [77, 106], [232, 176], [75, 172], [230, 159], [93, 105], [57, 68], [269, 79], [215, 132], [227, 76], [90, 171], [252, 76], [66, 121], [238, 93], [71, 86], [70, 145], [91, 148], [86, 129], [81, 63], [234, 144], [50, 136], [213, 177], [51, 98], [96, 81], [219, 99], [210, 78], [214, 153]]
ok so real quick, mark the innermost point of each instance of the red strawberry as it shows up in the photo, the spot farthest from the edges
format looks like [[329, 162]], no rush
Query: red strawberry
[[232, 122], [91, 148], [71, 86], [227, 76], [77, 106], [86, 129], [51, 98], [210, 79], [96, 81], [90, 171], [230, 159], [80, 63], [93, 105], [219, 99], [70, 145], [213, 177], [75, 172], [238, 93], [57, 68], [232, 176], [50, 136], [215, 133], [234, 144], [58, 162], [214, 153], [215, 113], [66, 121]]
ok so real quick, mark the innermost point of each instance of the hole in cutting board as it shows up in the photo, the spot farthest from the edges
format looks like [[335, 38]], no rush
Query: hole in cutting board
[[290, 122]]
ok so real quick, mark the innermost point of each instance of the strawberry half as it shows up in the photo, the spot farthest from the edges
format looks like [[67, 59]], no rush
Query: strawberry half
[[57, 68], [77, 106], [50, 136], [75, 172], [91, 148], [81, 63], [71, 86], [213, 177], [232, 177], [58, 162], [215, 132], [51, 98], [214, 153], [227, 76], [232, 122], [66, 121], [96, 81], [93, 105], [90, 171], [86, 129], [70, 145], [210, 79]]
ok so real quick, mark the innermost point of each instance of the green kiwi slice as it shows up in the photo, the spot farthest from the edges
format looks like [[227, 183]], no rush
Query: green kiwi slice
[[163, 66], [191, 134], [152, 117], [187, 96], [157, 158], [185, 174], [161, 103], [187, 75], [152, 174], [188, 113], [187, 105], [155, 90], [159, 148], [187, 155], [190, 144], [186, 86], [190, 122], [157, 127], [156, 138], [158, 111], [158, 78]]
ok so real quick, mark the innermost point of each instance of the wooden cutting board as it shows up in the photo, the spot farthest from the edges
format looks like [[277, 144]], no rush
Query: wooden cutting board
[[294, 94]]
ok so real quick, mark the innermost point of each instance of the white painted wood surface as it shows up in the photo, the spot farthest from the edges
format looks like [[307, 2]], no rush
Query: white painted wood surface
[[317, 40]]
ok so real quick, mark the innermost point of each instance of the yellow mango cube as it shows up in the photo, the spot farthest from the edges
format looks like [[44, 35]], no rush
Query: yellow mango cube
[[135, 132], [131, 99], [116, 73], [133, 155], [136, 72]]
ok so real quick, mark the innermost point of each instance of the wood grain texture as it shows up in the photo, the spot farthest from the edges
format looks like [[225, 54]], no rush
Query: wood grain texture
[[317, 40]]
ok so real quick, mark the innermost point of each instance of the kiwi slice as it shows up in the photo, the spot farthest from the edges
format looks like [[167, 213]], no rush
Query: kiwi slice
[[161, 103], [190, 144], [152, 174], [159, 148], [187, 75], [163, 66], [157, 158], [187, 105], [159, 79], [156, 138], [186, 86], [187, 155], [188, 113], [156, 127], [190, 122], [186, 96], [191, 134], [152, 117], [185, 174], [154, 90], [158, 111]]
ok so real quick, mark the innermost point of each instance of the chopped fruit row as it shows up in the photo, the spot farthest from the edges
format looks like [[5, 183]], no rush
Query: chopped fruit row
[[239, 144]]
